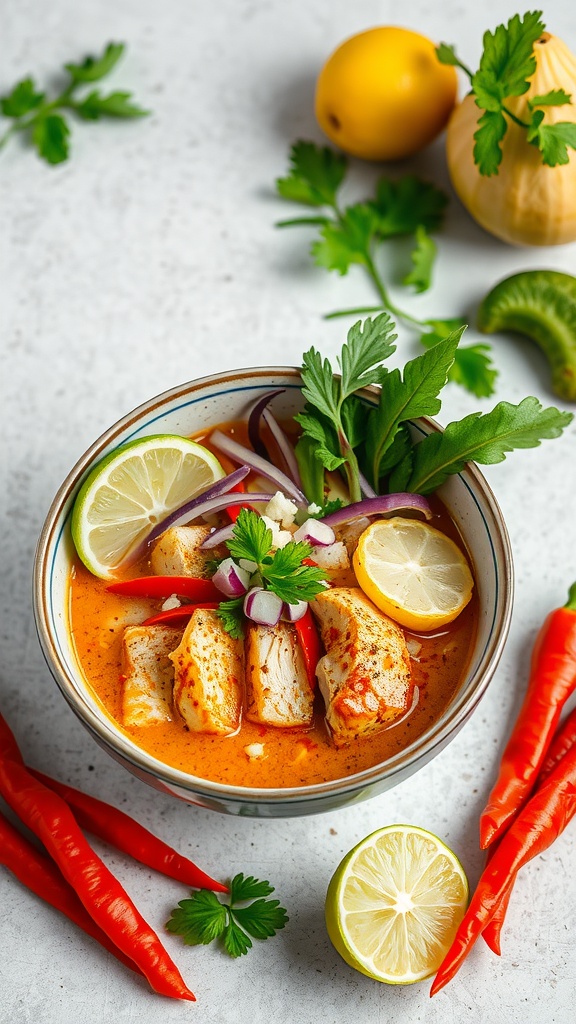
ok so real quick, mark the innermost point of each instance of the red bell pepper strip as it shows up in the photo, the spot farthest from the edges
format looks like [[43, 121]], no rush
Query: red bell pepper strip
[[121, 831], [564, 740], [49, 817], [552, 680], [307, 633], [39, 874], [234, 510], [191, 587], [177, 616], [535, 828]]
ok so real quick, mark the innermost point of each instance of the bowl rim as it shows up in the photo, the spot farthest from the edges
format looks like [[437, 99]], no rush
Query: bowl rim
[[106, 732]]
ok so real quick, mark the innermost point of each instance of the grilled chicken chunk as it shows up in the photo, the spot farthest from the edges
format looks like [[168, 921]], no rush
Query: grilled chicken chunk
[[277, 688], [364, 676], [208, 675], [148, 674], [177, 552]]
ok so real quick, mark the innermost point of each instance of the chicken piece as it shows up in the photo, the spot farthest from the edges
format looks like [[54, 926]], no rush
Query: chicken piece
[[208, 675], [364, 677], [277, 688], [177, 552], [148, 674]]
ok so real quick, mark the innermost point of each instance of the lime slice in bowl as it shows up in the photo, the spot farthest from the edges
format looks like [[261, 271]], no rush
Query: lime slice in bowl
[[394, 904], [131, 490]]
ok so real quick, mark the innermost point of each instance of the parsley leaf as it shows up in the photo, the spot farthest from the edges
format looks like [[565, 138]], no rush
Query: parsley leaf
[[507, 64], [232, 614], [23, 98], [251, 538], [205, 917], [315, 175], [288, 578], [472, 367], [368, 345], [405, 205], [92, 69], [484, 438], [347, 240], [116, 104], [423, 256], [50, 136], [32, 111]]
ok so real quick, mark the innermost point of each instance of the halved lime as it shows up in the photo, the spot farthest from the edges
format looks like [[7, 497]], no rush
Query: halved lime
[[131, 490], [394, 904]]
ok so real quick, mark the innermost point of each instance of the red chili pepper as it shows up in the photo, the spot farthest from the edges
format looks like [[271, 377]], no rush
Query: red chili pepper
[[121, 831], [307, 633], [39, 874], [536, 827], [564, 740], [52, 821], [164, 586], [177, 616], [552, 680]]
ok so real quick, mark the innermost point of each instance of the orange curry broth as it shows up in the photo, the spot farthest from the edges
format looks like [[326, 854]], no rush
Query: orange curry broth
[[292, 757]]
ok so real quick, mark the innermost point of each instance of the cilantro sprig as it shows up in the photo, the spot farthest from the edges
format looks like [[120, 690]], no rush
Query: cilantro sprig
[[353, 235], [507, 64], [247, 915], [382, 446], [30, 109], [280, 571]]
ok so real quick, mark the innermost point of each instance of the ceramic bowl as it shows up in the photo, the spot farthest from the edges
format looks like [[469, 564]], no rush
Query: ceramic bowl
[[193, 407]]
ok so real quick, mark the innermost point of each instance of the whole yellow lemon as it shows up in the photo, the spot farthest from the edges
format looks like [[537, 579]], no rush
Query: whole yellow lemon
[[384, 95]]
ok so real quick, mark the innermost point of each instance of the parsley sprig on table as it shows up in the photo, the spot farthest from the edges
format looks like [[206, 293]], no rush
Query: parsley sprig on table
[[280, 570], [205, 917], [379, 436], [506, 65], [31, 110], [354, 234]]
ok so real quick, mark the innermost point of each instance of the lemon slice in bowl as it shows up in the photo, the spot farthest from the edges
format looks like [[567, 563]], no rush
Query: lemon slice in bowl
[[131, 490], [394, 904], [414, 573]]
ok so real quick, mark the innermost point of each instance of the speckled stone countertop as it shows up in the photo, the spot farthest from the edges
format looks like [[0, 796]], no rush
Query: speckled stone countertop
[[149, 259]]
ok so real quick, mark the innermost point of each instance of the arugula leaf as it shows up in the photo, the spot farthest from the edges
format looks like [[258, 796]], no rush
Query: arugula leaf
[[423, 256], [23, 98], [318, 429], [407, 396], [116, 104], [484, 438], [405, 205], [92, 69], [311, 468], [315, 176], [50, 136], [206, 917]]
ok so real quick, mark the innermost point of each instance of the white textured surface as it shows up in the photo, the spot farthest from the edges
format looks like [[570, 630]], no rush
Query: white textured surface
[[150, 259]]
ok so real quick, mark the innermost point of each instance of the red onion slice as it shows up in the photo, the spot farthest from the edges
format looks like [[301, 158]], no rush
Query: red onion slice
[[230, 579], [218, 537], [294, 612], [263, 606], [254, 421], [238, 453], [201, 507], [382, 505], [284, 446]]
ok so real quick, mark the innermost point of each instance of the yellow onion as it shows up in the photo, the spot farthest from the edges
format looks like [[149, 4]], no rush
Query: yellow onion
[[527, 202]]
